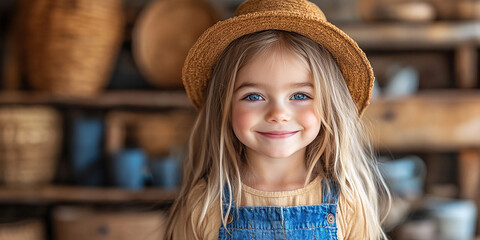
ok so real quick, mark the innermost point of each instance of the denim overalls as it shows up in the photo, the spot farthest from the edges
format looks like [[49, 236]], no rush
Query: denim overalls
[[270, 222]]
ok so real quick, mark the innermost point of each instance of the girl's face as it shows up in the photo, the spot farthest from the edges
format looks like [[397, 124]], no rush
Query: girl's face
[[273, 112]]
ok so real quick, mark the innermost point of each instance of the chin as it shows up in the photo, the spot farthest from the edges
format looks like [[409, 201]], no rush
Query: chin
[[279, 154]]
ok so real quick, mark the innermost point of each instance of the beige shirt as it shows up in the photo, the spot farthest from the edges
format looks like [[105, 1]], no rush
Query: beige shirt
[[350, 224]]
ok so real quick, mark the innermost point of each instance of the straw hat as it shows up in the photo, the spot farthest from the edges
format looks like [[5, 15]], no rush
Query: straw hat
[[300, 16]]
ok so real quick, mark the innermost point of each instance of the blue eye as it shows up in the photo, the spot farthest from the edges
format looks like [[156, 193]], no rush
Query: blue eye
[[254, 97], [299, 96]]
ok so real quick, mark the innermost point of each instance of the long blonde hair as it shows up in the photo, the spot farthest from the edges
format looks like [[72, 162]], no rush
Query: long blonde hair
[[341, 152]]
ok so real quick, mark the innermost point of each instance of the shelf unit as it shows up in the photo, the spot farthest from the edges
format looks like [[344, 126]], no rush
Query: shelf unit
[[72, 194], [107, 99], [434, 121], [52, 194], [404, 35]]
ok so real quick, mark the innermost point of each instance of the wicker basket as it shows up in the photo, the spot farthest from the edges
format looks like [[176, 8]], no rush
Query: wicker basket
[[71, 45], [164, 33], [24, 230], [29, 144], [82, 223], [157, 133]]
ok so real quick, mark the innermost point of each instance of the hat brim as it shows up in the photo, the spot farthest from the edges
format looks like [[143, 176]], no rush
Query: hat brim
[[204, 54]]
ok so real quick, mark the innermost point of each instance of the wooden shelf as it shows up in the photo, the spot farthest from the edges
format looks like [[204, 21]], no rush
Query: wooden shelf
[[111, 98], [52, 194], [414, 36], [441, 120]]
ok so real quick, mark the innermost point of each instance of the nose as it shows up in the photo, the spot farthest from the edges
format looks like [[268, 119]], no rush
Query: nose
[[278, 112]]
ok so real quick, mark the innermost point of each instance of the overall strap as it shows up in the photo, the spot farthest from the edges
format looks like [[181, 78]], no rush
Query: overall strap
[[329, 191]]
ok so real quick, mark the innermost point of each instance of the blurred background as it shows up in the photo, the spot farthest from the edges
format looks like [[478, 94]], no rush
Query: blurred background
[[94, 120]]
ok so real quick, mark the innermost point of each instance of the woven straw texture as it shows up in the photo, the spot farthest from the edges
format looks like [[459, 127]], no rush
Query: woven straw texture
[[156, 133], [82, 223], [24, 230], [298, 16], [29, 145], [159, 134], [164, 33], [71, 45]]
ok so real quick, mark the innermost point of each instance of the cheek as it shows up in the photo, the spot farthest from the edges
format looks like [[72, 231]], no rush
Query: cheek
[[310, 120], [242, 119]]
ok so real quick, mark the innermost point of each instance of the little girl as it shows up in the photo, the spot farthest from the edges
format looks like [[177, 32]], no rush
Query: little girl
[[278, 149]]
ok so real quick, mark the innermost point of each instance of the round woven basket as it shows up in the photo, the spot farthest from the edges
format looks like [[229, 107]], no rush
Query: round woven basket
[[164, 33], [75, 223], [24, 230], [71, 45], [158, 134], [29, 144]]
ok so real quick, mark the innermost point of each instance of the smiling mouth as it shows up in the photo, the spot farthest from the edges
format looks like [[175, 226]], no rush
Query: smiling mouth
[[278, 135]]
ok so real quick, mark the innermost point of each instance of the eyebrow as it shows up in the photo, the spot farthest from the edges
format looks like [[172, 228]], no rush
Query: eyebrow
[[294, 85]]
